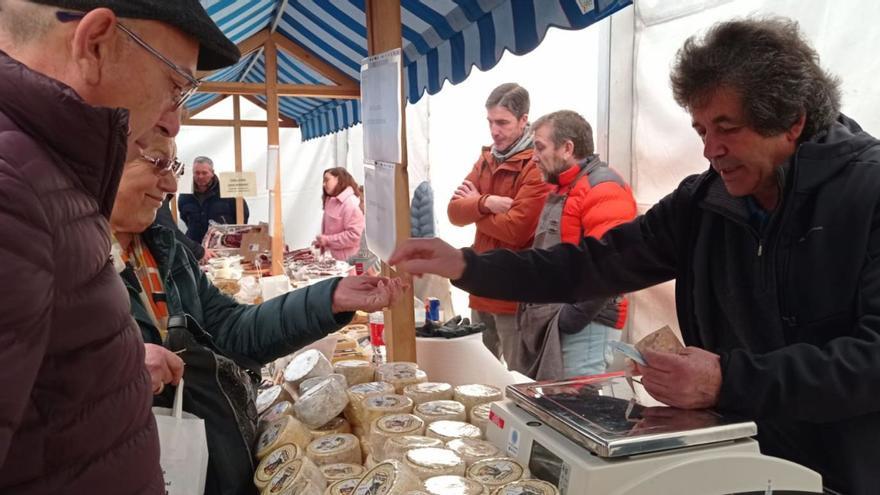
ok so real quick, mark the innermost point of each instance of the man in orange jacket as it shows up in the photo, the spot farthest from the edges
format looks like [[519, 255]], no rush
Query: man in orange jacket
[[588, 199], [503, 195]]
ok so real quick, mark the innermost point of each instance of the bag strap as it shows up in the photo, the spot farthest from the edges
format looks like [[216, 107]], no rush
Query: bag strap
[[177, 408], [188, 323]]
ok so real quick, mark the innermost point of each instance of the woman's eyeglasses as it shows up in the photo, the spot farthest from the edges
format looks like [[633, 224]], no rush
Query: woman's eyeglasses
[[165, 165]]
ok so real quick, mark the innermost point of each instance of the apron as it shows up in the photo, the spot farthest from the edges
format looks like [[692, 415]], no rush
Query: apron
[[539, 355]]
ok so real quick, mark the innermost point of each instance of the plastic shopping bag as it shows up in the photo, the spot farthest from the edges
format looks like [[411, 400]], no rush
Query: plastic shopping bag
[[184, 448]]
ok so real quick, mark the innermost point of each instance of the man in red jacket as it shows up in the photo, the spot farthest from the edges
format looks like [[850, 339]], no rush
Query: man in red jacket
[[503, 196], [82, 85], [588, 199]]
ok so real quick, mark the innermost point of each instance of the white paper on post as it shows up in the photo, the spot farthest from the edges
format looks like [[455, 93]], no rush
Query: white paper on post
[[379, 205], [272, 157], [185, 181], [238, 184], [380, 106]]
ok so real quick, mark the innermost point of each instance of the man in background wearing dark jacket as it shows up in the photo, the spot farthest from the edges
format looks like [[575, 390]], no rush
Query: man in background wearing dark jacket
[[78, 77], [775, 251], [205, 204]]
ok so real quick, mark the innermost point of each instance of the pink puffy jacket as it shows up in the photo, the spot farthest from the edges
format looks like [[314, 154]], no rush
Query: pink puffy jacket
[[343, 224]]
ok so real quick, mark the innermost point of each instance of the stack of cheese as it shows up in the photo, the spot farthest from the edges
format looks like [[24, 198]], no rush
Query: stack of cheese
[[350, 427]]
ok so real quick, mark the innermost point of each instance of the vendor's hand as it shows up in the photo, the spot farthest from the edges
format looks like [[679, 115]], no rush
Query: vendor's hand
[[465, 190], [690, 379], [367, 294], [498, 204], [209, 253], [163, 365], [320, 241], [420, 256]]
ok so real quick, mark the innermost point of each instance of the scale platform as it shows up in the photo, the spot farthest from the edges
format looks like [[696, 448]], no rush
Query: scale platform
[[595, 435]]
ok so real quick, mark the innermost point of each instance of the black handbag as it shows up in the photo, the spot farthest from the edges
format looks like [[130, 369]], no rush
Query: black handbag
[[221, 388]]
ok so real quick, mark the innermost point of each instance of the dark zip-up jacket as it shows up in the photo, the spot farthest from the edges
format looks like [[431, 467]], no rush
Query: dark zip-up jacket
[[259, 333], [74, 393], [197, 210], [794, 311]]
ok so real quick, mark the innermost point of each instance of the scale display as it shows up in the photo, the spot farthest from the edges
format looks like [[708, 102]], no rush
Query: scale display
[[604, 414]]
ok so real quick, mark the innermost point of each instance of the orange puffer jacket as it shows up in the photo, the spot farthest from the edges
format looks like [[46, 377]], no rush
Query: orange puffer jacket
[[517, 178]]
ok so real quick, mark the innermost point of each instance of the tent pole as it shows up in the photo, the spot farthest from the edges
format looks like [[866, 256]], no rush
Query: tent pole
[[273, 140], [236, 129], [383, 34]]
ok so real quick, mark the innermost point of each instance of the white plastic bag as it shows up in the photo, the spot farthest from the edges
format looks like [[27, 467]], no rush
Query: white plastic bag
[[183, 448]]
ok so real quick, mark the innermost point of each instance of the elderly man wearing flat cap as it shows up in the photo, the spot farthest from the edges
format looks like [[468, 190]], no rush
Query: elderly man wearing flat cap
[[83, 84]]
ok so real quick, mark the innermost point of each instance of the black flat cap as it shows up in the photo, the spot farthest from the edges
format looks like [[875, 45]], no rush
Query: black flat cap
[[215, 49]]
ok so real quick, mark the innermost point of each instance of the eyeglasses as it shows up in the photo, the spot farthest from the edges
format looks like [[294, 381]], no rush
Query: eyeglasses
[[183, 92], [166, 165]]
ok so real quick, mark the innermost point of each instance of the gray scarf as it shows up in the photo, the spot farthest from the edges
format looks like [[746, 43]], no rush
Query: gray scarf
[[524, 142]]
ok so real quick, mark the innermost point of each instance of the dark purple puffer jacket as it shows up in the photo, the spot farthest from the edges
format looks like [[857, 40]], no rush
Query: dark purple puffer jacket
[[74, 393]]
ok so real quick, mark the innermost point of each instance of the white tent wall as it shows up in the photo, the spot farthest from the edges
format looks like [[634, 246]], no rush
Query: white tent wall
[[666, 150]]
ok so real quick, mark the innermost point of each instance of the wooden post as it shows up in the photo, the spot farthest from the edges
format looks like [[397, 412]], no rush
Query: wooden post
[[273, 140], [236, 129], [383, 34]]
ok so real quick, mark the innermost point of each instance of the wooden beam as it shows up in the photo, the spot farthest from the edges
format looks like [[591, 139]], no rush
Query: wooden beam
[[236, 131], [297, 90], [313, 61], [383, 34], [255, 42], [283, 122], [195, 111], [273, 139]]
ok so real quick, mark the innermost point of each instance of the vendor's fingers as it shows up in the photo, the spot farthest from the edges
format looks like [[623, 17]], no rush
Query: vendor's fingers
[[662, 361]]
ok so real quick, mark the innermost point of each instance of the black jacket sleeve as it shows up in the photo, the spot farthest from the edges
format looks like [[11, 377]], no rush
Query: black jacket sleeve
[[164, 218], [631, 256]]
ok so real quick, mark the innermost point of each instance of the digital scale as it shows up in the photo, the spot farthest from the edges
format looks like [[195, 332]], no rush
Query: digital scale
[[597, 435]]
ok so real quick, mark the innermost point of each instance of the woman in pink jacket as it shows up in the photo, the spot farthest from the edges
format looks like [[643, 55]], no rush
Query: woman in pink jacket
[[343, 219]]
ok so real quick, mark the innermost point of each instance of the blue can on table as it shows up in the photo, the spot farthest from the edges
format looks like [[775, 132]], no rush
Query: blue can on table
[[433, 309]]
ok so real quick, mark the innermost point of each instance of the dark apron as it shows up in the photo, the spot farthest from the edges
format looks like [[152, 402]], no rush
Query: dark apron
[[539, 354]]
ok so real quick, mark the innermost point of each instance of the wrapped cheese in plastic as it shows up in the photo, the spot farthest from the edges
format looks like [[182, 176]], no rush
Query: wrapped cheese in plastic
[[432, 461], [450, 430]]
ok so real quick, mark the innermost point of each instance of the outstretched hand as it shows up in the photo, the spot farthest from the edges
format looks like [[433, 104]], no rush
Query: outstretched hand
[[366, 294], [420, 256]]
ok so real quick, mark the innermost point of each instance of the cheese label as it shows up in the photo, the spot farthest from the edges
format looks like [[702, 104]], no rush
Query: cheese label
[[528, 487], [383, 401], [271, 434], [344, 487], [495, 471], [441, 407], [275, 462], [329, 444], [267, 397], [340, 471], [398, 423], [285, 477], [369, 388], [378, 481]]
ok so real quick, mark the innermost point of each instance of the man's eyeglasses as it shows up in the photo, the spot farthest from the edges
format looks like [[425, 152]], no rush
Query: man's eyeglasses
[[183, 92], [165, 165]]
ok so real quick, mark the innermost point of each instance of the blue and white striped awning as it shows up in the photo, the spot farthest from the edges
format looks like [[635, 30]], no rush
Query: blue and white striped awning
[[442, 40]]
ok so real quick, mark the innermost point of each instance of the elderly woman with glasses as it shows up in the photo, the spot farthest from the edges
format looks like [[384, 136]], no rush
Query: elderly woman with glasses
[[223, 342]]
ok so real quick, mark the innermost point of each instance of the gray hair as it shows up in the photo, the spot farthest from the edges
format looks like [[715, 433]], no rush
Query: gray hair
[[772, 68], [569, 126], [24, 21], [511, 96], [204, 159]]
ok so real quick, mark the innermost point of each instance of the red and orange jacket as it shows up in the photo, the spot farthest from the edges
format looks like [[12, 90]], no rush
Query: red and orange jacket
[[517, 178], [597, 202]]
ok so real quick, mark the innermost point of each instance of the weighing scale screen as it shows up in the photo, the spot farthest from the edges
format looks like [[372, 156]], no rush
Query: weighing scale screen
[[545, 465]]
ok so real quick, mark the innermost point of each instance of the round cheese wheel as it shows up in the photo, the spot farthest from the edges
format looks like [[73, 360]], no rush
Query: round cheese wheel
[[438, 410], [396, 447], [343, 487], [479, 416], [335, 425], [354, 412], [388, 477], [321, 403], [428, 391], [392, 425], [298, 487], [311, 382], [274, 462], [527, 487], [401, 376], [274, 413], [335, 449], [296, 473], [476, 394], [450, 430], [376, 406], [341, 471], [306, 365], [389, 368], [281, 432], [355, 371], [496, 472], [433, 461], [473, 450], [270, 396], [453, 485]]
